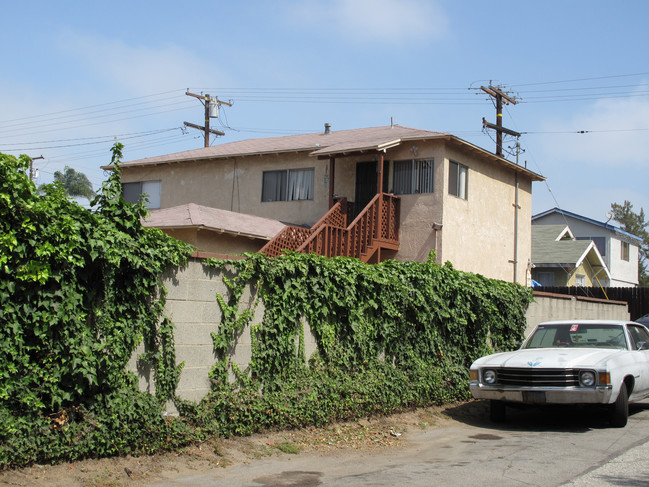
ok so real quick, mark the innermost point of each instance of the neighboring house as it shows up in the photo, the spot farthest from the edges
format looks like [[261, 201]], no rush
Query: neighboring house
[[213, 230], [437, 193], [559, 259], [619, 249]]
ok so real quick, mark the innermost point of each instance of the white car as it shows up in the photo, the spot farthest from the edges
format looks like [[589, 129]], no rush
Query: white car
[[569, 362]]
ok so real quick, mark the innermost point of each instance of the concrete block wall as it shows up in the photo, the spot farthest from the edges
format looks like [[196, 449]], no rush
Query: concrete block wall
[[193, 308], [551, 307]]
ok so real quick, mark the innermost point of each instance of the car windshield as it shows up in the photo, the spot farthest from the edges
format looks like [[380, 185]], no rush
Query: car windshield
[[575, 335]]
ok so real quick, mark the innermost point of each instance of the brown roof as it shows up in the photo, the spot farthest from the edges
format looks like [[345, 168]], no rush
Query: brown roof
[[221, 221], [352, 139], [324, 145]]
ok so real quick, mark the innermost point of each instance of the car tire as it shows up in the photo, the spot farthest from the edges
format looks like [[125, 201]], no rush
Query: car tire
[[497, 411], [619, 410]]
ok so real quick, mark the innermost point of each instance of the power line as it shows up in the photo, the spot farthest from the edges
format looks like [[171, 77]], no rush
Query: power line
[[120, 136], [581, 79], [88, 107]]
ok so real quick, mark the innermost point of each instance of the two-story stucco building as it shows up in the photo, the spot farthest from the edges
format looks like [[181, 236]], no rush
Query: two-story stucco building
[[466, 204]]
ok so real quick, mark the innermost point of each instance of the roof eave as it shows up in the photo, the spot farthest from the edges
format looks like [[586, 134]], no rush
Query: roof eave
[[512, 165], [212, 229]]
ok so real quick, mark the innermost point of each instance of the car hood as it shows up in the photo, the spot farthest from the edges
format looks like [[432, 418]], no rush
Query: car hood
[[549, 358]]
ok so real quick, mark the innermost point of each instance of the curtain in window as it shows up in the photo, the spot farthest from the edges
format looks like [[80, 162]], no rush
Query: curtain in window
[[402, 183], [425, 176], [462, 182], [152, 190], [274, 186], [458, 180], [300, 184], [131, 191]]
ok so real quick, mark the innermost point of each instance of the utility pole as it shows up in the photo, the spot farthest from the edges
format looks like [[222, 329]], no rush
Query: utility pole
[[32, 174], [211, 111], [500, 97]]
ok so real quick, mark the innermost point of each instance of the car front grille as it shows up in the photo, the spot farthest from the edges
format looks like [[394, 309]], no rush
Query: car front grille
[[537, 377]]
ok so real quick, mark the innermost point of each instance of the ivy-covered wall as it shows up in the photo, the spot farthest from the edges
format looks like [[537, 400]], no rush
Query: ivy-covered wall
[[192, 305], [80, 290], [384, 337]]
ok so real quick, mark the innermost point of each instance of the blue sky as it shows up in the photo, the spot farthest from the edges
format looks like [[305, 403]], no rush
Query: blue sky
[[77, 75]]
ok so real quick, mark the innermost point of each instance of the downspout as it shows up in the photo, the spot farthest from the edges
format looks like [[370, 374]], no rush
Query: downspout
[[516, 209]]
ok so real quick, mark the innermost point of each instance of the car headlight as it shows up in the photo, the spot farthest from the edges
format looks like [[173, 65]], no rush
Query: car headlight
[[489, 376], [587, 378]]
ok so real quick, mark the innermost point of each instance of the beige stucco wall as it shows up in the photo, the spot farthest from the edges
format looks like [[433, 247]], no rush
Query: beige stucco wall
[[219, 243], [420, 211], [235, 185], [478, 233]]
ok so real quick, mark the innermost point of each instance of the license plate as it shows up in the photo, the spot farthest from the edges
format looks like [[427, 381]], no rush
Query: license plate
[[534, 397]]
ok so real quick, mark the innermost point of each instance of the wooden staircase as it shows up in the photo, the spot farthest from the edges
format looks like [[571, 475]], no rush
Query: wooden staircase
[[373, 234]]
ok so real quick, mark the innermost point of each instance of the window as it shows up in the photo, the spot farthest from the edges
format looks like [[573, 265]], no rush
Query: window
[[413, 176], [580, 280], [625, 251], [458, 176], [287, 185], [133, 191], [639, 338]]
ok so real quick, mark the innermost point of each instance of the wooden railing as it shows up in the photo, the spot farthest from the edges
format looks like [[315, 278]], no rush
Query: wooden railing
[[374, 229], [292, 237]]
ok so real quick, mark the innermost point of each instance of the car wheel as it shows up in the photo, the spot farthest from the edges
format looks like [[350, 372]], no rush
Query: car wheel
[[497, 411], [619, 410]]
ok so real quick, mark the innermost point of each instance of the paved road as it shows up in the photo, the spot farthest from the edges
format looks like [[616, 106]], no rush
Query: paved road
[[559, 447]]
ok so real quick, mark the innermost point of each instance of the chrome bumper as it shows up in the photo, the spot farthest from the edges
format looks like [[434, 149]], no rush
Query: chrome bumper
[[543, 395]]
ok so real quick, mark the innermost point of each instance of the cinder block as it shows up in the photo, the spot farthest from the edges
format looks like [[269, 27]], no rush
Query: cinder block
[[212, 313], [177, 290], [193, 379], [202, 290], [189, 395], [242, 355], [196, 355], [184, 311], [194, 333]]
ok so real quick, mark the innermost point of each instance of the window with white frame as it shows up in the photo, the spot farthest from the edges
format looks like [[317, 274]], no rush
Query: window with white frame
[[458, 180], [148, 190], [413, 176], [625, 251], [580, 280], [287, 185]]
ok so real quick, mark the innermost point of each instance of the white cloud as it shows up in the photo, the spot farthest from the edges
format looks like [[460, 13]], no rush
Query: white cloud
[[142, 69], [617, 134], [384, 21], [610, 163]]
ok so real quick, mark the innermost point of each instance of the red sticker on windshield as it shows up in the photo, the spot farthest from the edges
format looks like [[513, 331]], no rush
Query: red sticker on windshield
[[574, 327]]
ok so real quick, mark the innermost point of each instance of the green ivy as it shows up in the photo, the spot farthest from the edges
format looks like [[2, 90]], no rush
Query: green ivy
[[79, 290], [390, 336]]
